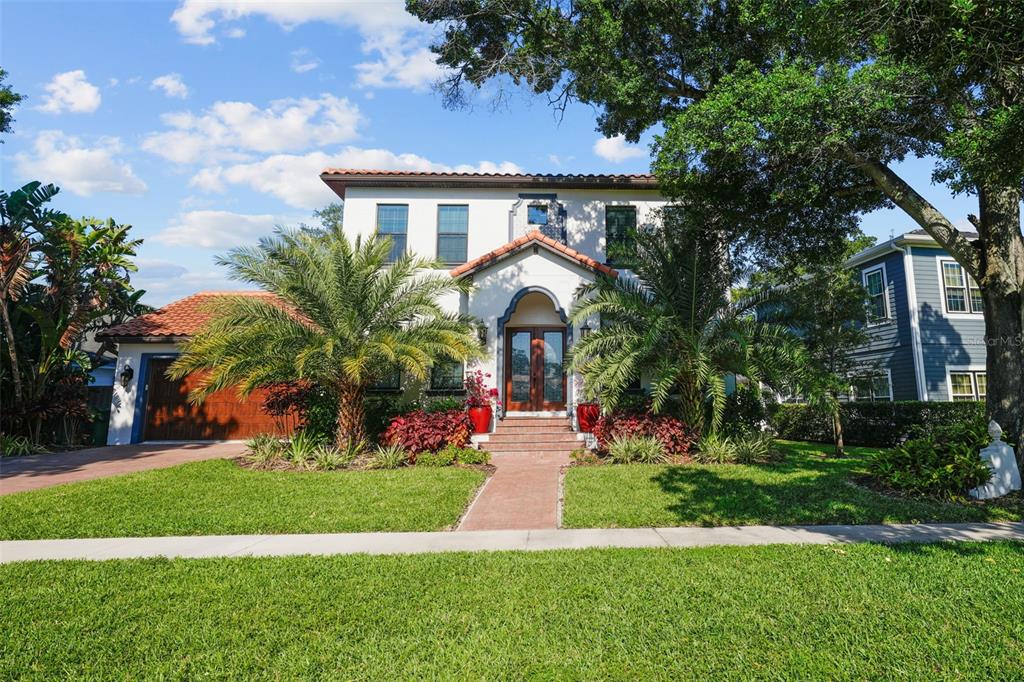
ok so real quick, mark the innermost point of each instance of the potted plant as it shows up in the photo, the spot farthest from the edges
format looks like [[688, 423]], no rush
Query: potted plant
[[479, 399], [587, 415]]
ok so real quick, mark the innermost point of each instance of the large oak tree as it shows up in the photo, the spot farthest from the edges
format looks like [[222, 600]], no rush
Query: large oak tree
[[790, 116]]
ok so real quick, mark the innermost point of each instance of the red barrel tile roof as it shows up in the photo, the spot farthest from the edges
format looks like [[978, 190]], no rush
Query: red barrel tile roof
[[522, 242], [175, 320]]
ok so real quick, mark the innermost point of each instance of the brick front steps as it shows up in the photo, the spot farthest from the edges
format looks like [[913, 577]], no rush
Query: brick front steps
[[523, 435]]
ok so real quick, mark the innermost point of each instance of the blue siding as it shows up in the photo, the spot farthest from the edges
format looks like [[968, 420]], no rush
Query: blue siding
[[945, 341], [889, 346]]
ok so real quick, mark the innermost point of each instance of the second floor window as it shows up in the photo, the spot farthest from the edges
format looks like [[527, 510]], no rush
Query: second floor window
[[878, 306], [968, 385], [960, 290], [452, 233], [619, 229], [446, 375], [393, 222], [537, 214]]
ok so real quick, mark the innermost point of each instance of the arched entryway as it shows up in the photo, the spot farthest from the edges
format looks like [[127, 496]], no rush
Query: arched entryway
[[534, 344]]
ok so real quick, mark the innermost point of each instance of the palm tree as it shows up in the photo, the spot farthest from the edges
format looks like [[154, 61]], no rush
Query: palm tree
[[340, 317], [675, 323]]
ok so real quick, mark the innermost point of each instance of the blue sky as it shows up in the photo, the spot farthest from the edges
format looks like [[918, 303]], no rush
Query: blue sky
[[204, 124]]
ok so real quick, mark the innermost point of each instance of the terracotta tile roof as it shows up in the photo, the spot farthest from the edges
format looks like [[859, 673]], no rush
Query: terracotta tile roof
[[452, 174], [175, 320], [534, 237], [338, 179]]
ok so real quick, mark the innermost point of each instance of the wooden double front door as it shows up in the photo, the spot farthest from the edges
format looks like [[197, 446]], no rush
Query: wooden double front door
[[535, 369]]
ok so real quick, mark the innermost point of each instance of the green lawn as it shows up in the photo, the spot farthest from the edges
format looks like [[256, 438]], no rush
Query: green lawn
[[219, 497], [781, 612], [805, 488]]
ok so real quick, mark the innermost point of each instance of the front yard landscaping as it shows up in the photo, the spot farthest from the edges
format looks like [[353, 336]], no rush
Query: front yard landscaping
[[804, 488], [218, 497], [807, 612]]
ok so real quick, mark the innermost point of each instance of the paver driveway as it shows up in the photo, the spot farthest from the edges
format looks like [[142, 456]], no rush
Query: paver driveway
[[39, 471]]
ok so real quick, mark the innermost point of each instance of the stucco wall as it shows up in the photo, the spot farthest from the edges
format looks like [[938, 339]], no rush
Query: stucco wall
[[548, 275], [489, 214], [123, 400]]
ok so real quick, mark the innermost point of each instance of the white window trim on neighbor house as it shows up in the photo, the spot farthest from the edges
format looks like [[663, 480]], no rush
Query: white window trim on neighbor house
[[885, 294], [965, 279], [973, 371]]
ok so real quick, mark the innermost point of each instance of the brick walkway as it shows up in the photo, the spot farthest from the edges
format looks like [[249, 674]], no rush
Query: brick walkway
[[40, 471], [528, 455]]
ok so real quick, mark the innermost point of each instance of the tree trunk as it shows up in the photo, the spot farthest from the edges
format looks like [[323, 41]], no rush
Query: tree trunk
[[13, 352], [351, 415], [1002, 288], [837, 433], [691, 400]]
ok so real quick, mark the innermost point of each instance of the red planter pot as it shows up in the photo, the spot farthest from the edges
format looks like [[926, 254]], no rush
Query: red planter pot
[[480, 417], [587, 415]]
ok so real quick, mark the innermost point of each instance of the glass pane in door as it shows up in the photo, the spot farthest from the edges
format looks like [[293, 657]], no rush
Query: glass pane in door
[[520, 351], [553, 385]]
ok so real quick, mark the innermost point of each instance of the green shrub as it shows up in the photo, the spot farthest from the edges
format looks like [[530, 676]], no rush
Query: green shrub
[[264, 449], [584, 457], [301, 448], [881, 424], [716, 449], [442, 458], [17, 446], [443, 404], [471, 455], [754, 446], [328, 458], [940, 462], [380, 410], [636, 449], [389, 457], [747, 409]]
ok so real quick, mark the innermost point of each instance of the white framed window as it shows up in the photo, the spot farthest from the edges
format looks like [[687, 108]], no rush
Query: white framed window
[[876, 284], [872, 388], [960, 293], [452, 233], [967, 384]]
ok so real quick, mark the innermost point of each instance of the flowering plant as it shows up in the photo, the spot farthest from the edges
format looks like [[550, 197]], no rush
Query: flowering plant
[[477, 392]]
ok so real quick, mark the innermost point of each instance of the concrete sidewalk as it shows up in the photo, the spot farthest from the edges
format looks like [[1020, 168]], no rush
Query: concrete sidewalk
[[475, 541]]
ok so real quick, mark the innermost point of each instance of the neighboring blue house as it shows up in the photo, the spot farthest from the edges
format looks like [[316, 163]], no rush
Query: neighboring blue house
[[926, 322]]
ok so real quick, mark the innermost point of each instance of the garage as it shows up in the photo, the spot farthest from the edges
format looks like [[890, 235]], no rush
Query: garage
[[222, 416]]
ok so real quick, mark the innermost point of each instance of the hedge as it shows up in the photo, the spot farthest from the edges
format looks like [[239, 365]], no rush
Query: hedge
[[873, 424]]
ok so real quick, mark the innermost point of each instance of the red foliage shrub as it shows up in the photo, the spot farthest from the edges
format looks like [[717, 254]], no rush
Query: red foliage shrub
[[676, 437], [420, 431]]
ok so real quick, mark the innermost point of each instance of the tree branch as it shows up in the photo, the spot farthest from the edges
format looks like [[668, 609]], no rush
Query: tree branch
[[917, 207]]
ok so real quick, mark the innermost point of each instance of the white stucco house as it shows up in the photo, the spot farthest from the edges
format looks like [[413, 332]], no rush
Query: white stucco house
[[526, 241]]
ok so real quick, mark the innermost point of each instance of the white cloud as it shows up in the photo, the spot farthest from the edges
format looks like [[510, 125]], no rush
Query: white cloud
[[216, 229], [617, 150], [66, 161], [295, 179], [303, 60], [235, 32], [70, 91], [231, 131], [171, 84], [398, 39], [399, 68]]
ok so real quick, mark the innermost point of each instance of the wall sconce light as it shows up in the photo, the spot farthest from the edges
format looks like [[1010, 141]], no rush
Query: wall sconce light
[[481, 333], [584, 330], [126, 376]]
